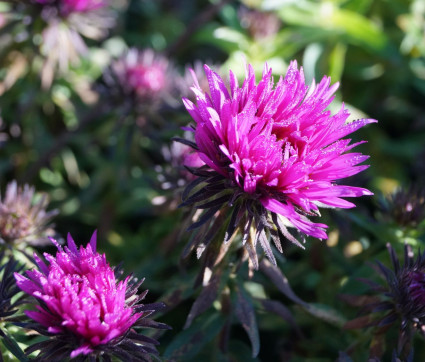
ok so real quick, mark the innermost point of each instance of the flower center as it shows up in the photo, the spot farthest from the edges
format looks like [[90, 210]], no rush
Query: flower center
[[146, 79], [14, 225]]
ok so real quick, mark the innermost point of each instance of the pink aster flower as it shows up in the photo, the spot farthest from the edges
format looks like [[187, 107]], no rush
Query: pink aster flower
[[274, 155], [84, 308], [143, 74]]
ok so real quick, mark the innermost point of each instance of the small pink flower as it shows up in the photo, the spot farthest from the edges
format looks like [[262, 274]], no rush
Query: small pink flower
[[146, 79], [145, 74], [82, 304]]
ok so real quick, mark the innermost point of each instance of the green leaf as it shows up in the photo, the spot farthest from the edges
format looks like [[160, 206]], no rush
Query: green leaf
[[280, 281], [326, 313], [227, 39], [238, 351], [359, 29], [337, 61], [276, 307], [14, 348], [189, 342], [338, 23], [311, 57]]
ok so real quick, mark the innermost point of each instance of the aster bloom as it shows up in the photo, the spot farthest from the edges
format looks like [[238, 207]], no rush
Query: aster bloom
[[401, 300], [85, 309], [144, 75], [273, 153], [23, 216]]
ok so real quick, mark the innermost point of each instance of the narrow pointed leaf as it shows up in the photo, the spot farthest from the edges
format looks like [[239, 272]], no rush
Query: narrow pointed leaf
[[280, 281], [205, 299], [245, 313]]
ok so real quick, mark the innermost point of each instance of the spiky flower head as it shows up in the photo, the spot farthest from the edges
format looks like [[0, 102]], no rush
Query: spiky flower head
[[401, 300], [84, 308], [406, 288], [23, 216], [274, 154]]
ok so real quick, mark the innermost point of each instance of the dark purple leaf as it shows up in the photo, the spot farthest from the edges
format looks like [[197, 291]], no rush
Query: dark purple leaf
[[190, 341], [358, 300], [360, 322], [280, 281], [206, 216], [282, 311], [205, 299], [185, 142], [245, 313]]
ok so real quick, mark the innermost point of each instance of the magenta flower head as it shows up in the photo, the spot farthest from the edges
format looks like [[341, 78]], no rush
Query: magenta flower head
[[84, 309], [274, 154]]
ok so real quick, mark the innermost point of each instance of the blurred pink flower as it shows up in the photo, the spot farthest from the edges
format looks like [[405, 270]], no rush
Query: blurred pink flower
[[60, 27], [23, 217], [143, 73]]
